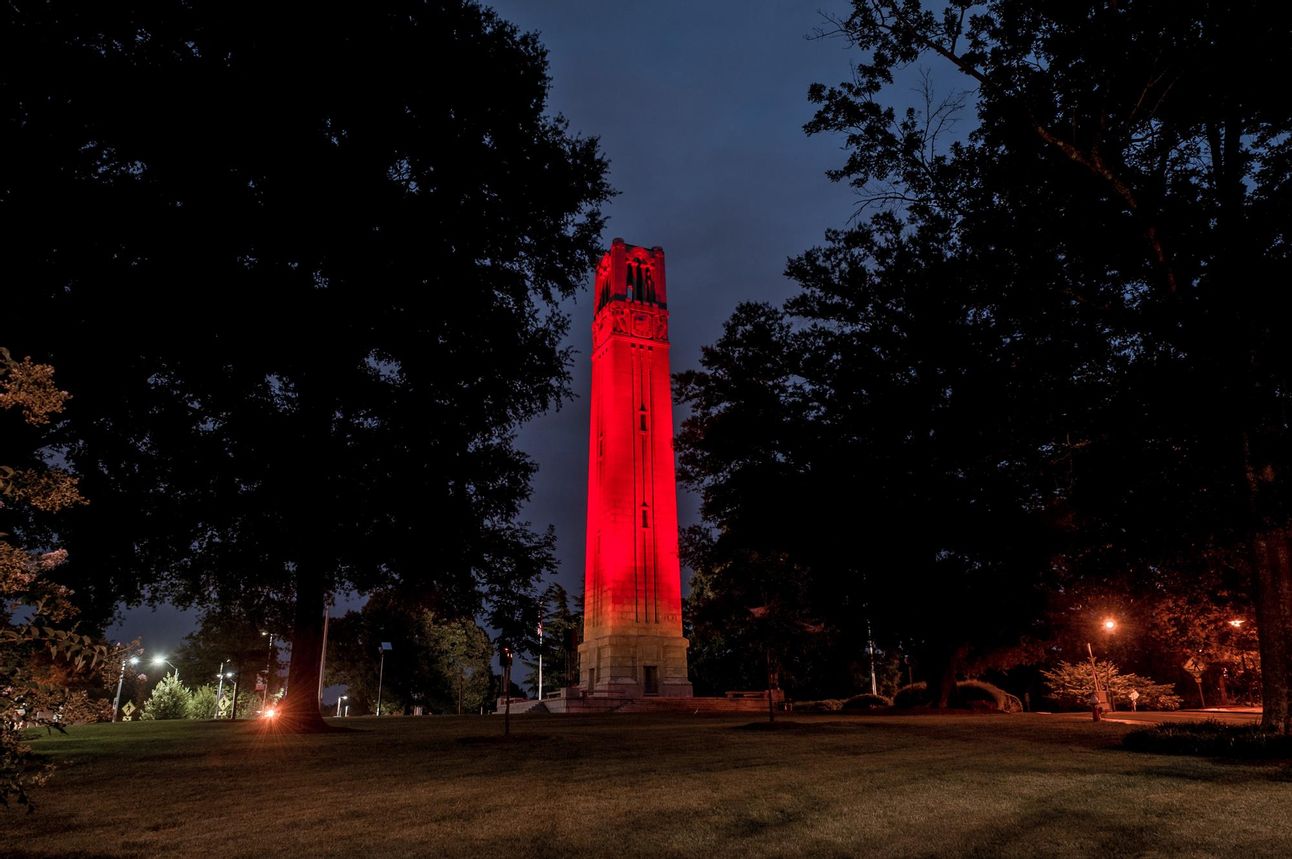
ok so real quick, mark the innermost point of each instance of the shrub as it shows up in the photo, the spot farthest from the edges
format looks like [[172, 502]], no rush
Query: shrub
[[828, 705], [249, 704], [971, 692], [169, 700], [1210, 738], [1071, 685], [201, 705], [914, 695], [866, 702]]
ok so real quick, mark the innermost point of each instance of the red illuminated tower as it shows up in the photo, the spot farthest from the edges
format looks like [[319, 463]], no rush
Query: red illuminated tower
[[632, 621]]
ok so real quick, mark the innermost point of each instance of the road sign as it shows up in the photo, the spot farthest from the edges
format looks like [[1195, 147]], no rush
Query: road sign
[[127, 708]]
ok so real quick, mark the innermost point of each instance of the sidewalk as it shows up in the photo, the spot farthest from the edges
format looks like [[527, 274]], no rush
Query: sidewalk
[[1228, 715]]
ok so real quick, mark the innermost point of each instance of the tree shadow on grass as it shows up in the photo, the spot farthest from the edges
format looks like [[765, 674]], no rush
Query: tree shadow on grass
[[802, 727], [487, 740]]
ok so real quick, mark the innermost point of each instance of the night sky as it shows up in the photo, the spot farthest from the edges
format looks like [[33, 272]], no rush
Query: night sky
[[699, 108]]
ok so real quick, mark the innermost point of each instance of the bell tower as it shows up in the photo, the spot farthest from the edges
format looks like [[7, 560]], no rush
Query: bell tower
[[632, 610]]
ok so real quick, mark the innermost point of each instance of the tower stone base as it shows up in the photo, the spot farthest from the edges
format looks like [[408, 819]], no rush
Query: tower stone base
[[634, 666]]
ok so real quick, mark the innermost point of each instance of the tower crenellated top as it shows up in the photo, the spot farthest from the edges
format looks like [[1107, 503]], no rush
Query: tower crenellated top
[[632, 274]]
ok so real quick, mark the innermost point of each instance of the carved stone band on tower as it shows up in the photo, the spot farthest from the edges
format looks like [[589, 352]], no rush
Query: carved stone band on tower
[[632, 636]]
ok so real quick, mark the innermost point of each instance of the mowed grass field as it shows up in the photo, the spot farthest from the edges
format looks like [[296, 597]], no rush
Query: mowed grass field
[[625, 786]]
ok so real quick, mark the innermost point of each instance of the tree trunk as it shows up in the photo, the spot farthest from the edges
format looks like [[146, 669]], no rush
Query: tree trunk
[[940, 668], [771, 680], [1269, 560], [300, 709]]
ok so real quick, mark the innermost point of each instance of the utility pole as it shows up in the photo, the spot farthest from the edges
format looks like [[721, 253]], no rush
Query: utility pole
[[1094, 675], [870, 638], [327, 610], [540, 654], [269, 661], [506, 686], [381, 673], [116, 703], [219, 688]]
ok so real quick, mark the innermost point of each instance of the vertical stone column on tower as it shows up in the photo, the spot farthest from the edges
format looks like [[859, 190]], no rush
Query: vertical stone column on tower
[[632, 612]]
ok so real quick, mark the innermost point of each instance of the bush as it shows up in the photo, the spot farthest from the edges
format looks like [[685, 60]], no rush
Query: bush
[[201, 705], [169, 700], [828, 705], [1210, 738], [249, 704], [1071, 685], [78, 708], [866, 702], [971, 692], [914, 695]]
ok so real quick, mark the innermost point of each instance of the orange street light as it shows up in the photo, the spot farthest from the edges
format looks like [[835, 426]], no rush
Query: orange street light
[[1109, 624], [1236, 623]]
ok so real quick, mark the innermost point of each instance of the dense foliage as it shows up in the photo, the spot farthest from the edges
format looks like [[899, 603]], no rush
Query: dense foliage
[[562, 630], [170, 699], [1072, 685], [439, 663], [1047, 352], [43, 657], [1212, 738], [306, 270]]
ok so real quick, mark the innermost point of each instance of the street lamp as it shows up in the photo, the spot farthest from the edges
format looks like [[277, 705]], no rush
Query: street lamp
[[381, 673], [1104, 700], [338, 705], [116, 703], [158, 660], [269, 661]]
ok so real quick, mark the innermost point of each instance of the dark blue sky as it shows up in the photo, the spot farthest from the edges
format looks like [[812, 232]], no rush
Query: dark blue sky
[[699, 107]]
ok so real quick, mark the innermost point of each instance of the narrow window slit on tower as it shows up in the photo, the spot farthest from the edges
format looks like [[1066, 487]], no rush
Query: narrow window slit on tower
[[645, 516]]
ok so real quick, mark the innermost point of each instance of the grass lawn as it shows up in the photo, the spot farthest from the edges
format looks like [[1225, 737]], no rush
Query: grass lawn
[[1025, 785]]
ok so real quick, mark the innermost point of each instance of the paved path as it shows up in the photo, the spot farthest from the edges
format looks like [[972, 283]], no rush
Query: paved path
[[1232, 715]]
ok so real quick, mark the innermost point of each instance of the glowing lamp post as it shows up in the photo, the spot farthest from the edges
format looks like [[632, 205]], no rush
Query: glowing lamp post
[[505, 655], [1102, 698], [381, 673], [162, 660], [338, 705], [116, 703], [269, 662]]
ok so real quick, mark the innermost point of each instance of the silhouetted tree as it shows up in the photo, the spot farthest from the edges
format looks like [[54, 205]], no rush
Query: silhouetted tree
[[562, 632], [233, 638], [1139, 122], [306, 265], [435, 661]]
